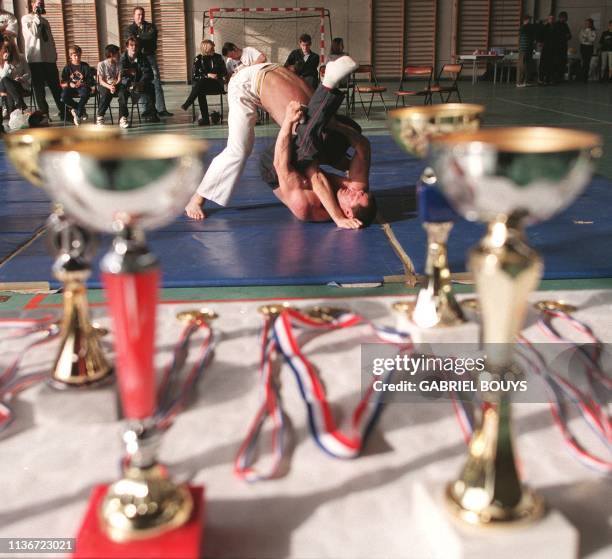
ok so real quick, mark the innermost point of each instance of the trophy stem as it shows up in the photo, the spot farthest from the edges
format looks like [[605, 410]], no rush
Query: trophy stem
[[80, 361], [436, 304], [145, 502], [489, 491]]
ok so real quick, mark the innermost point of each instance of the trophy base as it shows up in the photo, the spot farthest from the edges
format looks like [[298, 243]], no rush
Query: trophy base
[[451, 538], [184, 542]]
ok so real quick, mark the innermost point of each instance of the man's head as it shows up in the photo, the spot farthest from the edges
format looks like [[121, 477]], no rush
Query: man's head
[[589, 23], [112, 52], [551, 18], [207, 47], [38, 7], [74, 54], [231, 51], [563, 17], [139, 15], [305, 43], [131, 46], [358, 204]]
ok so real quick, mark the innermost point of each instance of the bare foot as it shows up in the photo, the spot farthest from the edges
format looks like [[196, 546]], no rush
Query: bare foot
[[194, 208]]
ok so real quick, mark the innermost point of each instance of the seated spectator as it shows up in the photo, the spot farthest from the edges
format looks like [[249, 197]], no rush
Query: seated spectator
[[41, 54], [136, 80], [605, 50], [77, 80], [237, 57], [14, 77], [304, 62], [109, 82], [8, 25], [337, 49], [207, 76]]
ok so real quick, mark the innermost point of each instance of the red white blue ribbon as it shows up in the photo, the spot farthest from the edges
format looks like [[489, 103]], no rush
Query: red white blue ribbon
[[279, 338]]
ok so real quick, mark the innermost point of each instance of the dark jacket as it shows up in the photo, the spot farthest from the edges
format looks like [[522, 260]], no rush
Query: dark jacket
[[147, 36], [137, 71], [208, 64], [605, 41], [87, 74], [310, 68]]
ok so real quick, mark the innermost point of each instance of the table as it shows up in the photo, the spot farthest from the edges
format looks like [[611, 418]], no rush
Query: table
[[475, 58], [323, 508]]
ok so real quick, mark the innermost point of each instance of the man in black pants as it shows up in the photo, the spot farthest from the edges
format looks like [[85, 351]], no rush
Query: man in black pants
[[292, 168], [41, 55]]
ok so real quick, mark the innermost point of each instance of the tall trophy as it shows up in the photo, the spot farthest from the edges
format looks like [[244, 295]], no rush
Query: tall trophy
[[507, 178], [79, 362], [125, 187], [413, 128]]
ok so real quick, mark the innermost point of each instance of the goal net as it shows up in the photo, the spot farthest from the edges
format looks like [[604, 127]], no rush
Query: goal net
[[273, 31]]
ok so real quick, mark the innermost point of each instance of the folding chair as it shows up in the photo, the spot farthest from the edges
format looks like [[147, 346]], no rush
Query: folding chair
[[133, 99], [449, 74], [372, 88], [94, 96], [419, 72]]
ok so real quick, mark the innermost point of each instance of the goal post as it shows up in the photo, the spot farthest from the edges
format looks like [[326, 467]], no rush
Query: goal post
[[273, 31]]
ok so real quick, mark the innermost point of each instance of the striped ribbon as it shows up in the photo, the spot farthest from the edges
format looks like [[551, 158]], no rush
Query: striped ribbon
[[279, 339]]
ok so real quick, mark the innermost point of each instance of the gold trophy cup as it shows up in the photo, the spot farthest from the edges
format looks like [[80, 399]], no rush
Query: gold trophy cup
[[413, 128], [506, 177], [80, 361]]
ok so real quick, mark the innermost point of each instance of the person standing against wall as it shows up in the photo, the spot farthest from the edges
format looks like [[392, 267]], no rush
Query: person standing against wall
[[41, 56], [525, 55], [587, 46], [146, 33]]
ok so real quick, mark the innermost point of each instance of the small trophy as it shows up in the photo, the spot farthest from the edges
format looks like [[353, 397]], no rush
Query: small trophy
[[508, 178], [413, 128], [80, 361], [124, 187]]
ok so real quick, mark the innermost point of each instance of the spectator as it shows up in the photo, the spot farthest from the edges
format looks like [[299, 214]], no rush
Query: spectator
[[77, 81], [563, 37], [8, 25], [41, 56], [146, 33], [237, 57], [549, 56], [587, 46], [524, 63], [207, 76], [337, 49], [605, 50], [304, 62], [14, 77], [109, 84], [137, 80]]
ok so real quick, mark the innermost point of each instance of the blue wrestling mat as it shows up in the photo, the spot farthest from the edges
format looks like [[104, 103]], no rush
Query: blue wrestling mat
[[258, 242]]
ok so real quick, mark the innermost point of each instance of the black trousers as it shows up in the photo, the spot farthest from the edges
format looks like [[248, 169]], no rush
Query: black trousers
[[45, 73], [199, 90], [68, 95], [106, 97], [323, 106], [586, 53], [14, 94]]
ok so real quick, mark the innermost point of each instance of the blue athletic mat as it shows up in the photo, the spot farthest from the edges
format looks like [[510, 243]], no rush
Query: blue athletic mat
[[258, 242]]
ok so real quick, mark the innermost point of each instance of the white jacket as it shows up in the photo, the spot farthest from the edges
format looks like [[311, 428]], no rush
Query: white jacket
[[17, 69], [36, 49], [587, 36]]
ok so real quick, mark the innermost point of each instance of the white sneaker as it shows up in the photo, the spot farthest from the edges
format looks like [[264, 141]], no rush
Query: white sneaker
[[75, 117], [100, 121], [337, 70], [124, 122], [84, 116]]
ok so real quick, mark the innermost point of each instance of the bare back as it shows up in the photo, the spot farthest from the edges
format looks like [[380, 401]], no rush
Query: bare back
[[281, 86]]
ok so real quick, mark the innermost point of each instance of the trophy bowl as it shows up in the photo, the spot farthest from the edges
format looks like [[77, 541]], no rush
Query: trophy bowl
[[530, 173], [414, 127], [24, 147], [144, 181]]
